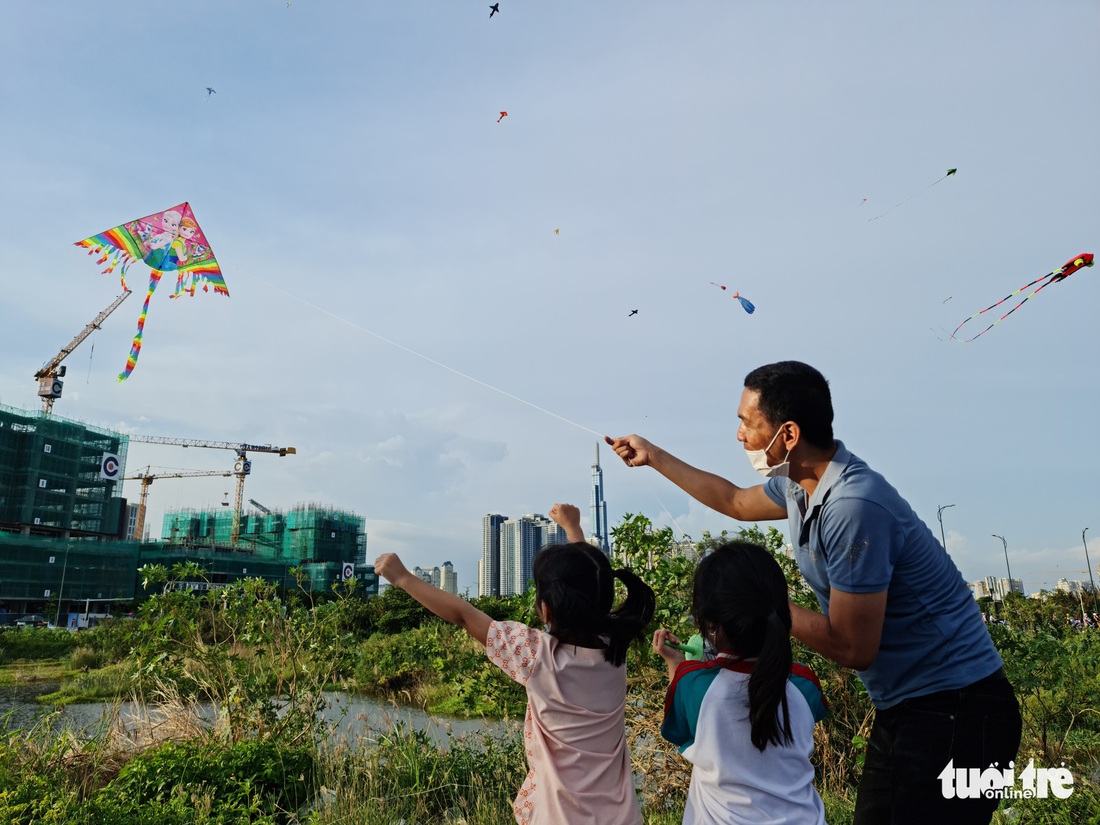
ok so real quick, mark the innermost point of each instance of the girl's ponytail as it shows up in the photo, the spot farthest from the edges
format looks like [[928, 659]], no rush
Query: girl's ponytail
[[576, 583], [768, 684], [629, 621]]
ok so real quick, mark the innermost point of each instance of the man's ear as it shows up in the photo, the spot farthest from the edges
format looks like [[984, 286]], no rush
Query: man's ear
[[791, 435]]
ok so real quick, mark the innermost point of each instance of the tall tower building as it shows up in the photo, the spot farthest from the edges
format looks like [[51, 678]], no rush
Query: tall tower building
[[489, 570], [601, 533], [520, 540], [450, 579]]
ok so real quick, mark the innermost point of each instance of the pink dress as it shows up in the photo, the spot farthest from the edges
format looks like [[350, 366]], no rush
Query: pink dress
[[577, 758]]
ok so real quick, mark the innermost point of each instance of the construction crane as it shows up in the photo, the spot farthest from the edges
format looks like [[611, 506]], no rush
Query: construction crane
[[259, 507], [241, 467], [148, 477], [49, 377]]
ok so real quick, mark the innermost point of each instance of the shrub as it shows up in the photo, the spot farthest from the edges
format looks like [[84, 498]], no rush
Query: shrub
[[35, 643], [252, 777], [83, 658]]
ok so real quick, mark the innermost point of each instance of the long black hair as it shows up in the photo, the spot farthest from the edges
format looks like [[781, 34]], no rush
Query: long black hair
[[576, 583], [741, 591]]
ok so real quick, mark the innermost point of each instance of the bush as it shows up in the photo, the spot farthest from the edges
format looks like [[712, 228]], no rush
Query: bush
[[112, 638], [238, 781], [35, 643], [438, 668], [83, 658]]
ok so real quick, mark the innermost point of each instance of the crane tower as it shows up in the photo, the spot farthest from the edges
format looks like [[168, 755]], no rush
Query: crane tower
[[241, 467]]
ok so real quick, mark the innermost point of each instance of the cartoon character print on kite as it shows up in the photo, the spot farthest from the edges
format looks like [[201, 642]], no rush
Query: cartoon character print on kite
[[168, 241], [1060, 274]]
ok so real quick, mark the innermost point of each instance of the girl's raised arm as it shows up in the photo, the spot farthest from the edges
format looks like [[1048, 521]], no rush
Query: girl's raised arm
[[445, 605]]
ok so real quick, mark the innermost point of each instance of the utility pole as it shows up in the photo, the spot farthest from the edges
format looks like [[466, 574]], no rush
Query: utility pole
[[1088, 564], [1009, 566], [939, 515]]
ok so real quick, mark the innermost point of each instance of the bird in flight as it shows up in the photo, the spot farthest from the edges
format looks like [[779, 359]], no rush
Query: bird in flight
[[493, 9], [210, 91], [632, 312]]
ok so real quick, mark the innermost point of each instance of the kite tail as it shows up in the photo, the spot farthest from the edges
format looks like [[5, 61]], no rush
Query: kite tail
[[954, 336], [118, 256], [135, 349]]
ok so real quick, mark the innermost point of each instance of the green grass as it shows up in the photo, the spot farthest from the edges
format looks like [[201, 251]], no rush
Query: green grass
[[19, 673], [103, 685]]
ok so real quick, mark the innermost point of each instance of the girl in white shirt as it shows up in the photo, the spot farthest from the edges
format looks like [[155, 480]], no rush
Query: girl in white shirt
[[744, 717]]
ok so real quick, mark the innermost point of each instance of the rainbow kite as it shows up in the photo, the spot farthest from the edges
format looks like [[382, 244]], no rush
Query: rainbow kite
[[168, 241]]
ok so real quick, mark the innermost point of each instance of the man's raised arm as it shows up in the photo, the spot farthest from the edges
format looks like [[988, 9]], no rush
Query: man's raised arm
[[741, 503]]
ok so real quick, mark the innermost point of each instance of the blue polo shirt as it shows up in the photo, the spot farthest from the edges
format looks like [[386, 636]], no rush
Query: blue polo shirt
[[858, 535]]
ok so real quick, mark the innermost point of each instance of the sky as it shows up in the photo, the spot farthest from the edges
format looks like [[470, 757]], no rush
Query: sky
[[403, 313]]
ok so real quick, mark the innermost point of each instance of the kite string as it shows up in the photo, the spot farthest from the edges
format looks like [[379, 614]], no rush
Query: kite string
[[896, 205], [669, 514], [433, 361]]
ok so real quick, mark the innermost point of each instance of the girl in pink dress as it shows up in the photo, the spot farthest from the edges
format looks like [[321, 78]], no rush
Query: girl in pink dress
[[574, 672]]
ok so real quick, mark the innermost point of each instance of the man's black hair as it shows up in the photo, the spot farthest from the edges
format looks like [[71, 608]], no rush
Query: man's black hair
[[793, 391]]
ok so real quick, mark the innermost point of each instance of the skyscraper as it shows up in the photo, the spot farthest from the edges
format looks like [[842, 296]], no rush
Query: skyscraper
[[449, 581], [489, 570], [520, 540], [600, 533]]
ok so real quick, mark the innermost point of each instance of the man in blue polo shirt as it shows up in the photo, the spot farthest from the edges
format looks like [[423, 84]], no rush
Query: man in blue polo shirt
[[893, 605]]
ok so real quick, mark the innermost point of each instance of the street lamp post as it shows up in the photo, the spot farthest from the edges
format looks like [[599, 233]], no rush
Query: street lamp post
[[939, 515], [61, 589], [1088, 564], [1009, 566]]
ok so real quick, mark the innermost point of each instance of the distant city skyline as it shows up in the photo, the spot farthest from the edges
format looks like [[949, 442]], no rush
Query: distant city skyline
[[444, 577]]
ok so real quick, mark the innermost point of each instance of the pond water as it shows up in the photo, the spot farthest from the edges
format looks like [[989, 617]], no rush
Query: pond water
[[349, 718]]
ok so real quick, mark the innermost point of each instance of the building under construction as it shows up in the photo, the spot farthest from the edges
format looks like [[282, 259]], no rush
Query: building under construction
[[315, 541], [63, 523]]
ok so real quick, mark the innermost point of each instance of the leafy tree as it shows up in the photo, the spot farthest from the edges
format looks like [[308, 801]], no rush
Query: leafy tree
[[395, 611]]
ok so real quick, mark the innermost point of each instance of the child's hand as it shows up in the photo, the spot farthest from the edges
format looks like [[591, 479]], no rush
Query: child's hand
[[390, 566], [565, 514], [670, 654], [569, 518]]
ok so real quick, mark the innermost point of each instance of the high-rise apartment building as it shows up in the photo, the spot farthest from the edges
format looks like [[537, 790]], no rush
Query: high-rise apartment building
[[600, 534], [488, 571], [996, 588], [443, 577], [449, 578], [519, 539]]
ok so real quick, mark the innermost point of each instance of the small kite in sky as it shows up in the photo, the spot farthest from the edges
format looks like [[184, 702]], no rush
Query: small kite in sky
[[745, 302], [210, 91], [168, 241], [502, 116], [950, 172], [493, 9], [632, 312], [557, 231], [1059, 274]]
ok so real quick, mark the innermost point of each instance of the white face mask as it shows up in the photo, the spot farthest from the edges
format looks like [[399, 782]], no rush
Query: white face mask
[[759, 460]]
